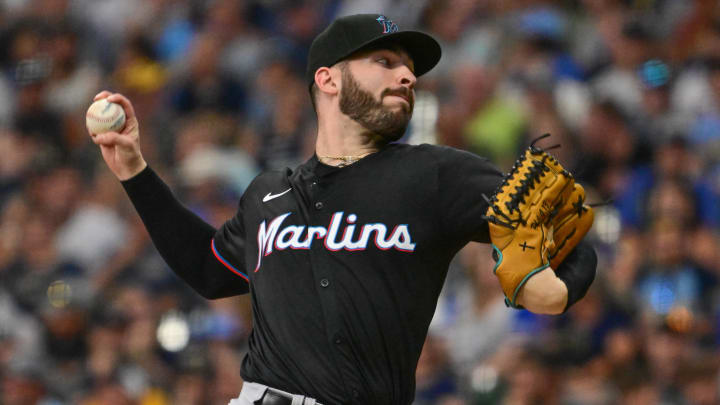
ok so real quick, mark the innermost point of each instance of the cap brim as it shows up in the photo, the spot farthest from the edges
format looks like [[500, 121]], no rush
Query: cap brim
[[422, 48]]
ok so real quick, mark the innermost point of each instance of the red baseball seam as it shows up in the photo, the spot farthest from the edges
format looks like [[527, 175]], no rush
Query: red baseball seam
[[95, 117]]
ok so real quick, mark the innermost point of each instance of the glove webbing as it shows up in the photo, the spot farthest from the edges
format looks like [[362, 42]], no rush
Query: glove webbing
[[531, 177]]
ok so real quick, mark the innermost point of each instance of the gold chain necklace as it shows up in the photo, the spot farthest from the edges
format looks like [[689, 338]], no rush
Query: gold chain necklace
[[346, 160]]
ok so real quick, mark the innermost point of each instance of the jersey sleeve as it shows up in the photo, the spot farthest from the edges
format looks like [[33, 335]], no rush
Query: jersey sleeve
[[182, 238], [228, 245], [577, 271], [463, 178]]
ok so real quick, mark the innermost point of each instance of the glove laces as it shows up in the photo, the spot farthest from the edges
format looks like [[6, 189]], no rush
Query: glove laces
[[530, 178]]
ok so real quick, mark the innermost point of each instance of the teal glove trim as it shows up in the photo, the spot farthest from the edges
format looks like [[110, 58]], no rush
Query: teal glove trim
[[512, 302], [499, 259]]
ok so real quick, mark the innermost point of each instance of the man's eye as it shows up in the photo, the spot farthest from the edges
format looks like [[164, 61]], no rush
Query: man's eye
[[383, 61]]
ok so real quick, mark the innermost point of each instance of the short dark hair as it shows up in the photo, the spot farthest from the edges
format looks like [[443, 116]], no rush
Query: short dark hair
[[313, 97]]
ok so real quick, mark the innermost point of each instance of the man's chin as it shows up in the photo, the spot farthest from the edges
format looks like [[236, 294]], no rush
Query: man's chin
[[398, 104], [392, 134]]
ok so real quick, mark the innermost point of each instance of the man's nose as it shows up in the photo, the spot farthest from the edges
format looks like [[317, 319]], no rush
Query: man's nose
[[406, 77]]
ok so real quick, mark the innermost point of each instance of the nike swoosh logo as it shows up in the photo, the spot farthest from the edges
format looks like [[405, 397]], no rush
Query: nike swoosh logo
[[271, 196]]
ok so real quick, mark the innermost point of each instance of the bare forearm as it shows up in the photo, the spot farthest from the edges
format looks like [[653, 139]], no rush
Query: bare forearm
[[553, 292], [544, 293]]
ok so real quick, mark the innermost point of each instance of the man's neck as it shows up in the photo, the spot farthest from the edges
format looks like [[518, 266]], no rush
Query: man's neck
[[345, 137]]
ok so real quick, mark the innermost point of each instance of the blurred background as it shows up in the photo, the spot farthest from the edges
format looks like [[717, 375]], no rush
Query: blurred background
[[90, 314]]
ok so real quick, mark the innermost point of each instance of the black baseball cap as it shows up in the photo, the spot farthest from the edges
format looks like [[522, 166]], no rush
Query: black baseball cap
[[349, 34]]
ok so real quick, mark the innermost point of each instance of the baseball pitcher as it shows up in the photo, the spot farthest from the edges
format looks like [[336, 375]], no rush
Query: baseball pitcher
[[345, 255]]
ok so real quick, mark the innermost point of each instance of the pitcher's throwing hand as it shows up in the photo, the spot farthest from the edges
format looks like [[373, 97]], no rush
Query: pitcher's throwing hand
[[121, 150]]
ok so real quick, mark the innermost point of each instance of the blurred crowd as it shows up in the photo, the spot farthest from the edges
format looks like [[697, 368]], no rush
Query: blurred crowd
[[90, 314]]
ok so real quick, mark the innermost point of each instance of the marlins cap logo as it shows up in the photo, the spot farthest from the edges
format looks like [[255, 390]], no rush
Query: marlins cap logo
[[388, 25]]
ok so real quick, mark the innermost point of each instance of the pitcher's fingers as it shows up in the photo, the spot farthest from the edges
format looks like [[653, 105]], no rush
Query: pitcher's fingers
[[100, 139], [125, 103], [101, 95], [112, 138]]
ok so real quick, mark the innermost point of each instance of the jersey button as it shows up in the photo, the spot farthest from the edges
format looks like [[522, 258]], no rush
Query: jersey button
[[319, 205], [338, 340], [324, 283], [356, 394]]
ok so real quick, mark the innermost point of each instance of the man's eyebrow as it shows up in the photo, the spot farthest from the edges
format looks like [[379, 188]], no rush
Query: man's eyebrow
[[401, 54]]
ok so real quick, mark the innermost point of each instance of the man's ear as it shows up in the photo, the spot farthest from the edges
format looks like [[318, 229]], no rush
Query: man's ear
[[326, 81]]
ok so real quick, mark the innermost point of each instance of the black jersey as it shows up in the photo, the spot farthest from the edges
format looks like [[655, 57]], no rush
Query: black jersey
[[345, 266]]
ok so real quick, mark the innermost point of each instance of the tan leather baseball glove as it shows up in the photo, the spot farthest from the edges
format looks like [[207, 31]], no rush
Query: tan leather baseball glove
[[572, 221], [520, 217]]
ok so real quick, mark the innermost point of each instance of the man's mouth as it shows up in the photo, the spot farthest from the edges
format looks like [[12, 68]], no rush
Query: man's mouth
[[401, 94]]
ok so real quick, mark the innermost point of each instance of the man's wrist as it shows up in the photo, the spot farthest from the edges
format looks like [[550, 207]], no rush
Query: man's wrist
[[544, 293], [137, 177], [133, 172], [577, 272]]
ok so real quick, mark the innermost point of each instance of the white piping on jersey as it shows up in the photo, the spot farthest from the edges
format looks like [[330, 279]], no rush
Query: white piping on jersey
[[270, 236]]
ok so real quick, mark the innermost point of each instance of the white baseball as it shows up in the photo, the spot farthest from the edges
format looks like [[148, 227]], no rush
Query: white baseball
[[104, 116]]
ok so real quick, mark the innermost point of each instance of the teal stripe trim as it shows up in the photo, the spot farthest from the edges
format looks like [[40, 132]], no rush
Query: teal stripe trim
[[524, 280], [500, 258]]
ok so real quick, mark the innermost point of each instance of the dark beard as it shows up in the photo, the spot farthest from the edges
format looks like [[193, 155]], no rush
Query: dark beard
[[361, 106]]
